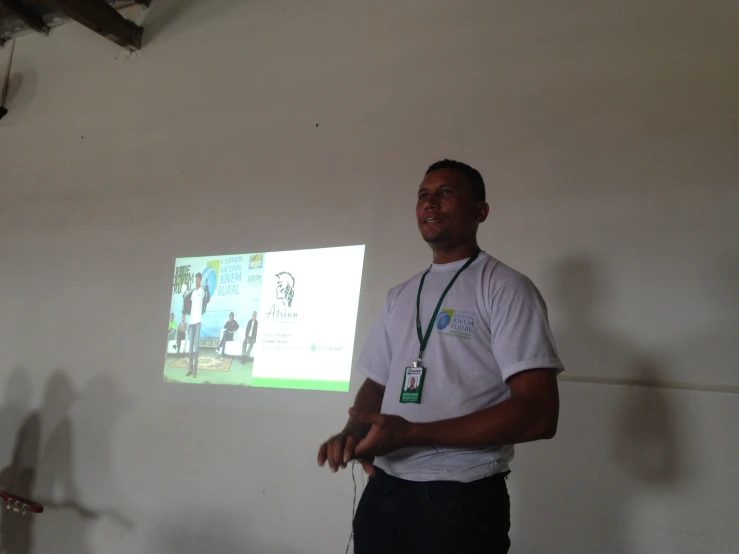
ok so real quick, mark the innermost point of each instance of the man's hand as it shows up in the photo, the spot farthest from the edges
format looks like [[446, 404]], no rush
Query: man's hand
[[339, 450], [387, 433]]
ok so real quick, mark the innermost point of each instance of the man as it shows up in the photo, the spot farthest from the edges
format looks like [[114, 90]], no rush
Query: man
[[171, 328], [181, 333], [194, 304], [230, 328], [412, 384], [251, 337], [475, 335]]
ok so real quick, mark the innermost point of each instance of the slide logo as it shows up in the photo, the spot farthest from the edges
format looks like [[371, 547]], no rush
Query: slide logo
[[444, 319], [184, 277], [285, 290], [210, 275], [284, 294], [256, 261]]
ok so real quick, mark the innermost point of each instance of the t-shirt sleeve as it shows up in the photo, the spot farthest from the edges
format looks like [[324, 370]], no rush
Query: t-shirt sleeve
[[521, 336], [374, 360]]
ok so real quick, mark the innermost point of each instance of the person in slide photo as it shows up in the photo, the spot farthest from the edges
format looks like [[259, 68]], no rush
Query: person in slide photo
[[250, 338], [171, 328], [181, 333], [194, 304], [476, 333], [230, 328]]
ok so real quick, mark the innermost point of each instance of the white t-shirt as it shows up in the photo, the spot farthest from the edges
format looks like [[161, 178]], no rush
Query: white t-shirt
[[492, 324], [196, 312]]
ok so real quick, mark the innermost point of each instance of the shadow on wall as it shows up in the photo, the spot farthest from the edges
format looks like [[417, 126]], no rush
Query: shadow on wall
[[21, 90], [46, 474], [644, 442], [18, 476], [711, 348], [579, 486], [15, 408], [100, 407]]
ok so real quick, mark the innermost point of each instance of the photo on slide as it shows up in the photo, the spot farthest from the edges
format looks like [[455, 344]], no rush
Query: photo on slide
[[267, 319]]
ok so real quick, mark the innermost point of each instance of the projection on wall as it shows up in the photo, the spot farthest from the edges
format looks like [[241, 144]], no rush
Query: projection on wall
[[267, 319]]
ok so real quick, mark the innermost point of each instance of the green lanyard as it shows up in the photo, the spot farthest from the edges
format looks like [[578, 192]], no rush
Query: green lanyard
[[424, 339]]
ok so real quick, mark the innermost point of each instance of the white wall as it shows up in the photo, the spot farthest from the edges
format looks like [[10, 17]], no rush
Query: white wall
[[607, 133]]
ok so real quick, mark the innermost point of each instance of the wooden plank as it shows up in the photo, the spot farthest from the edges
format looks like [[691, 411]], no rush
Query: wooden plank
[[102, 18], [27, 15]]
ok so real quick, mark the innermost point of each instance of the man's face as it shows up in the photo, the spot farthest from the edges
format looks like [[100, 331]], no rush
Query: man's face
[[171, 317], [231, 317], [183, 319], [254, 315], [445, 212], [198, 279], [413, 382]]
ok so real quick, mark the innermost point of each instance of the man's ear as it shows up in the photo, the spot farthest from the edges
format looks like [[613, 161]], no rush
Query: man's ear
[[483, 209]]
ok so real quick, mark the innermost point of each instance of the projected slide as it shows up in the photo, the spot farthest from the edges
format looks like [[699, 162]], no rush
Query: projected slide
[[265, 319]]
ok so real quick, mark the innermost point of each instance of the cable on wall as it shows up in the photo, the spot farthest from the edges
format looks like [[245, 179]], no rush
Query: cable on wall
[[676, 385]]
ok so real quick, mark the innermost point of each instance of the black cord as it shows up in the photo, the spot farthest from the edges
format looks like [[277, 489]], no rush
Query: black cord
[[354, 509]]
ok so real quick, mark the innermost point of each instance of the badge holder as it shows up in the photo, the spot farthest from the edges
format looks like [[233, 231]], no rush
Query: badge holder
[[413, 379]]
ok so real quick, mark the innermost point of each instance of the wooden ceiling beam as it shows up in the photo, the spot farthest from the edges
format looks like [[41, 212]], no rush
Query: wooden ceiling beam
[[102, 18], [27, 15]]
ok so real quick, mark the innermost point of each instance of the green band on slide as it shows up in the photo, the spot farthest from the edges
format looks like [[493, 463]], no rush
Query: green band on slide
[[304, 384]]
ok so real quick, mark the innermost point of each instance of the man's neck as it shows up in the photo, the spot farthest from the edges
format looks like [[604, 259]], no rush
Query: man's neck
[[447, 255]]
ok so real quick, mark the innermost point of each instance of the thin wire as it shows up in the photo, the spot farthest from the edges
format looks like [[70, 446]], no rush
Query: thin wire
[[354, 510], [6, 82]]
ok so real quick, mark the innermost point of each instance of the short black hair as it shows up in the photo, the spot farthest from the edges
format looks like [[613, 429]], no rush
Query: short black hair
[[470, 173], [198, 274], [229, 315]]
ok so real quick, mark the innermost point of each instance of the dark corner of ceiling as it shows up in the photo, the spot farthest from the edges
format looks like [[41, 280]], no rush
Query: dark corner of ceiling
[[20, 17]]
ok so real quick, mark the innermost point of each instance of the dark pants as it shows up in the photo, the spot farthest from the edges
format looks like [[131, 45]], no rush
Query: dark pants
[[395, 516], [180, 338], [246, 350], [227, 336]]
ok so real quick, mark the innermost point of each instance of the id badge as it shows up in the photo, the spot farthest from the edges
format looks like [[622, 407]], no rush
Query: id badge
[[412, 385]]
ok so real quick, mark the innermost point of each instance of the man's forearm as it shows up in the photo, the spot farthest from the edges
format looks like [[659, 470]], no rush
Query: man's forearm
[[513, 421]]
